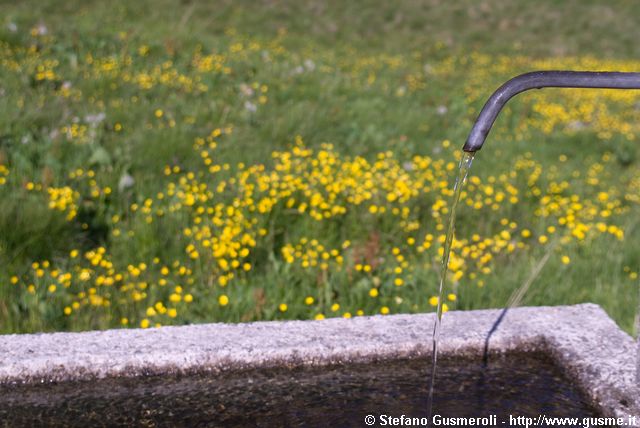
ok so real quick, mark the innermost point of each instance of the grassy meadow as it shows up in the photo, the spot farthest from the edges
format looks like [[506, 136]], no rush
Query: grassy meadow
[[168, 162]]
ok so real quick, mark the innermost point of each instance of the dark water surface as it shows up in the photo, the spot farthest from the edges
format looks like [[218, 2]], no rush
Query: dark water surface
[[337, 396]]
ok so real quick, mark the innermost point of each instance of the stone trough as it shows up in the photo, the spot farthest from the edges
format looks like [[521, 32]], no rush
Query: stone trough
[[582, 340]]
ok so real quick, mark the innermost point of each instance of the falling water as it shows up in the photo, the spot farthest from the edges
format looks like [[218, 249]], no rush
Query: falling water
[[465, 166]]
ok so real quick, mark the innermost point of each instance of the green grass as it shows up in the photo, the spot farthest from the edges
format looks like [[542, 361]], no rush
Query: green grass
[[366, 77]]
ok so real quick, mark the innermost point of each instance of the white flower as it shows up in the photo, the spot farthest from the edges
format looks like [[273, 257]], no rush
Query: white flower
[[246, 90], [95, 119], [309, 64], [126, 181], [251, 107]]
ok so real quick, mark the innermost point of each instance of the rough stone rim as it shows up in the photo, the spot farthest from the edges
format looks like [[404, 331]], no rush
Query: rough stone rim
[[582, 339]]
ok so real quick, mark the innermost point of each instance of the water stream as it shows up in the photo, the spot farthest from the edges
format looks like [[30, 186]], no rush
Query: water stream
[[465, 166]]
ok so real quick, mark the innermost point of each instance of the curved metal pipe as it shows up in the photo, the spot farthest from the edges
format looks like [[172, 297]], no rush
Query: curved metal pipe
[[538, 80], [547, 79]]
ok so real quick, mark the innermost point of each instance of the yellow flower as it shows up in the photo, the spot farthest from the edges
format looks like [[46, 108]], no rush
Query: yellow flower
[[283, 307], [309, 300], [452, 297], [373, 292], [172, 312], [319, 317], [223, 300], [565, 260], [384, 310], [143, 50], [433, 301], [144, 323]]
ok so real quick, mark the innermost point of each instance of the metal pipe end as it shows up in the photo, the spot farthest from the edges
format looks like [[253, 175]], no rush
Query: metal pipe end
[[473, 143]]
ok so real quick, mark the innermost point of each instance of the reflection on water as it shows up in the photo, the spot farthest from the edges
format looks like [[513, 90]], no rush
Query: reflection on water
[[520, 384]]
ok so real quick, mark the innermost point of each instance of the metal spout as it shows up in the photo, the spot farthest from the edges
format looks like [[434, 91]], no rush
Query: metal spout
[[538, 80], [547, 79]]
